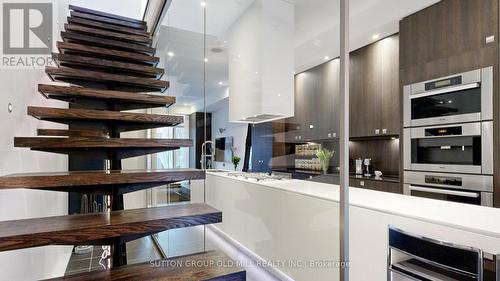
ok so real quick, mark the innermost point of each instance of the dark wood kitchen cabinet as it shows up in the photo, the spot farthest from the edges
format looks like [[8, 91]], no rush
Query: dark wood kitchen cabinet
[[294, 126], [374, 89], [316, 104], [377, 185], [447, 38]]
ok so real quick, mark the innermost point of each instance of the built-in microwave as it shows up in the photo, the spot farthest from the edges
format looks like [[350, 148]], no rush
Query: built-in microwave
[[458, 148], [461, 188], [465, 97]]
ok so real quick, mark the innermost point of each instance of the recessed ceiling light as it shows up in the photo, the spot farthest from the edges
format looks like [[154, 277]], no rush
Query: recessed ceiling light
[[220, 83], [375, 36], [326, 58], [170, 54], [203, 3], [256, 72], [206, 59]]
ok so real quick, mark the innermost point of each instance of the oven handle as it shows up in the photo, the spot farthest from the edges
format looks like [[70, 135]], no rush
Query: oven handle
[[444, 191], [445, 90]]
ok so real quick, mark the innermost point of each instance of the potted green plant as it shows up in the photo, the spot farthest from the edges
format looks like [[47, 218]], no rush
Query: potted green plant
[[236, 161], [324, 156]]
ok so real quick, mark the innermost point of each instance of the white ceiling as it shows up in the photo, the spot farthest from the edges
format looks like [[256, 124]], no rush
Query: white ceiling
[[316, 36]]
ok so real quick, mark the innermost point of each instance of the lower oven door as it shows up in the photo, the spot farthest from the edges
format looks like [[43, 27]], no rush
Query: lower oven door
[[459, 196]]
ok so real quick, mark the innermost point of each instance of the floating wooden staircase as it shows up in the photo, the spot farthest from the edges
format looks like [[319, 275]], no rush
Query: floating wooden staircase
[[110, 63]]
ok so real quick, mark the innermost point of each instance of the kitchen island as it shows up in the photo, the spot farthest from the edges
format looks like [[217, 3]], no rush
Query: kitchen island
[[294, 224]]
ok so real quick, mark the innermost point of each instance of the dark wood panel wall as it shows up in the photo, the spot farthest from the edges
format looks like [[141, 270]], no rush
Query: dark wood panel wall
[[450, 37], [384, 154]]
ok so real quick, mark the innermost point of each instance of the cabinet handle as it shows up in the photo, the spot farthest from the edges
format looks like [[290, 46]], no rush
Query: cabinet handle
[[384, 131], [377, 132]]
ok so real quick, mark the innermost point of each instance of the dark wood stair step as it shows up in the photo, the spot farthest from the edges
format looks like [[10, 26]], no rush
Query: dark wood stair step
[[120, 100], [84, 39], [68, 60], [107, 34], [121, 121], [108, 26], [77, 76], [101, 148], [102, 227], [204, 266], [108, 20], [72, 133], [93, 51], [99, 181], [107, 15]]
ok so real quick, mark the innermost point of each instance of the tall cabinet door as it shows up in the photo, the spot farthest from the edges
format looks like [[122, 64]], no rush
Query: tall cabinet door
[[391, 114], [328, 110], [294, 126], [311, 101], [365, 90]]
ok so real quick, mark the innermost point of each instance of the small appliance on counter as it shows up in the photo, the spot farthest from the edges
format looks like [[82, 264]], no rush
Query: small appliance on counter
[[368, 163], [359, 166], [413, 257]]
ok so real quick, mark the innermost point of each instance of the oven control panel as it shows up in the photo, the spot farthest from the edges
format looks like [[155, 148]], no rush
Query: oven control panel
[[453, 181]]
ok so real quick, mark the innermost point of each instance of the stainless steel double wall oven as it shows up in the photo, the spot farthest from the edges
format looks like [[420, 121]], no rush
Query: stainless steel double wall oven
[[448, 138]]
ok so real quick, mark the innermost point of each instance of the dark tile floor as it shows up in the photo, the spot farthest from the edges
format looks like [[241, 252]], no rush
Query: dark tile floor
[[141, 250]]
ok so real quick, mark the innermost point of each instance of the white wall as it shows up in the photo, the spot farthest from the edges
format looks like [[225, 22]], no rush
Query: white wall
[[19, 87], [220, 119], [126, 8]]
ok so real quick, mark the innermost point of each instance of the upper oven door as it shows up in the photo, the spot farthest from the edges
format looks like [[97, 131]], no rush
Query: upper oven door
[[466, 97]]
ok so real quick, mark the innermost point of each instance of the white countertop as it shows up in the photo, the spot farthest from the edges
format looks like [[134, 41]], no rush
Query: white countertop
[[483, 220]]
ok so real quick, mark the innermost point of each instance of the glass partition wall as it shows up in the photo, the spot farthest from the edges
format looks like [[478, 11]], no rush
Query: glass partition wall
[[273, 93], [181, 47]]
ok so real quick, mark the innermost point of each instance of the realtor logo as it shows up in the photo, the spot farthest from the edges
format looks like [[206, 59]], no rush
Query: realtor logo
[[27, 28]]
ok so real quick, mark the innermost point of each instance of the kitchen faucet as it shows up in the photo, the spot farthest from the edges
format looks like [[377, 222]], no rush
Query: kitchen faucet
[[204, 156]]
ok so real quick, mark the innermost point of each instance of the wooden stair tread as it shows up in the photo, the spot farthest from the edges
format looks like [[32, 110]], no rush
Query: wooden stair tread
[[108, 20], [78, 229], [108, 26], [72, 133], [107, 34], [68, 60], [44, 142], [71, 37], [123, 100], [94, 178], [76, 76], [101, 148], [105, 52], [67, 115], [104, 14], [208, 269]]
